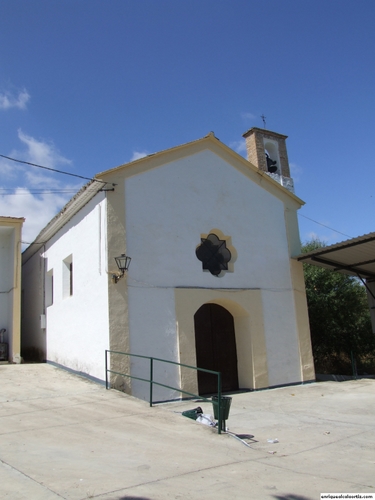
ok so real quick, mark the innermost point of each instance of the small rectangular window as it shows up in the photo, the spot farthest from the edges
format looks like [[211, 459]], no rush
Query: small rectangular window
[[71, 278], [68, 277]]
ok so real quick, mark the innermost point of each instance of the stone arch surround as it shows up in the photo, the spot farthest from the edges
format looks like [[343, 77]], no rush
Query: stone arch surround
[[246, 309]]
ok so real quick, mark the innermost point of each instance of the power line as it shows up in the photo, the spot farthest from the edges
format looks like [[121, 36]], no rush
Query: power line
[[38, 190], [57, 191], [52, 169], [102, 182], [320, 224]]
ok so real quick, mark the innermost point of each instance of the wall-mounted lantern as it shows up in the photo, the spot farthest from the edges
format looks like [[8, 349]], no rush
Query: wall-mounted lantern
[[123, 262]]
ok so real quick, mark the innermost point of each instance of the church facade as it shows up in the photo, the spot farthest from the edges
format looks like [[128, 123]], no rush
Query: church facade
[[211, 283]]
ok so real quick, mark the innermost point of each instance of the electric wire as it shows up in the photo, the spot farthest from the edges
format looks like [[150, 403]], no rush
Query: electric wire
[[8, 192], [103, 182], [52, 169], [320, 224]]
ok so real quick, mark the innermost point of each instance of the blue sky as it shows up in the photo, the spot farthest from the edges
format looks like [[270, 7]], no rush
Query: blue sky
[[86, 85]]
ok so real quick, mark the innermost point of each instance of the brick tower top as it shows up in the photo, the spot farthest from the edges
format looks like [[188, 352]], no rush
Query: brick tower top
[[267, 151], [260, 142]]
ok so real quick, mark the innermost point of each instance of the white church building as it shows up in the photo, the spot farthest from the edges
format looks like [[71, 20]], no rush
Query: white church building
[[212, 281]]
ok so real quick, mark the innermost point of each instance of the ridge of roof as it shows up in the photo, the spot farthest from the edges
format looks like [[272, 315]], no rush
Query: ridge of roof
[[158, 153], [210, 137]]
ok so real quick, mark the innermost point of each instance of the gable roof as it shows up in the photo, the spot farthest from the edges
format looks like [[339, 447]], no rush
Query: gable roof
[[94, 186], [211, 142]]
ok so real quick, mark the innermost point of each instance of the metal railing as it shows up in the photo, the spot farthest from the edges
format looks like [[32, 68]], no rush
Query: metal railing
[[152, 382]]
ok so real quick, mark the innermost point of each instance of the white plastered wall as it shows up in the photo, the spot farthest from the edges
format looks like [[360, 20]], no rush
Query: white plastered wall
[[167, 211], [76, 325], [169, 208], [10, 284], [152, 324], [6, 277]]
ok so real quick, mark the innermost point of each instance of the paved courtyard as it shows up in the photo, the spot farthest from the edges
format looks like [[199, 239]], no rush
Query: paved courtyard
[[64, 437]]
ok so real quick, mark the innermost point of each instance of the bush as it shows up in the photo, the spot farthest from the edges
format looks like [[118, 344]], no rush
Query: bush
[[340, 322]]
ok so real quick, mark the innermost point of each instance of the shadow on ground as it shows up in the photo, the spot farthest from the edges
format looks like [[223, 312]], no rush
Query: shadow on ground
[[291, 496], [134, 498]]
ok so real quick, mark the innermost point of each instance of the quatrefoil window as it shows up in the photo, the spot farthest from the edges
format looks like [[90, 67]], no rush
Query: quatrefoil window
[[214, 254]]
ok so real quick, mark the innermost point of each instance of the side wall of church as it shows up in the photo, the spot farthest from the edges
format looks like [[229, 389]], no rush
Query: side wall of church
[[67, 317]]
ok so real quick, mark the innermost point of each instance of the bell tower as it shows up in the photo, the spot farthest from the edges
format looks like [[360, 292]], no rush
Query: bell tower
[[267, 151]]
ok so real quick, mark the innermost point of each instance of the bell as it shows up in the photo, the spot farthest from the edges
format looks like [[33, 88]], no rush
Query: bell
[[271, 165]]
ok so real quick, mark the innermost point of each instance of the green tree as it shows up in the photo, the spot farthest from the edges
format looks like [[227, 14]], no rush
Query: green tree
[[339, 316]]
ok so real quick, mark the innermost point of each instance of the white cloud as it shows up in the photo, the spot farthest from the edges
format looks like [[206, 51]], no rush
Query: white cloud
[[248, 116], [38, 178], [137, 155], [41, 152], [329, 238], [312, 235], [239, 147], [295, 171], [20, 183], [15, 174], [7, 170], [38, 152], [7, 100], [37, 210]]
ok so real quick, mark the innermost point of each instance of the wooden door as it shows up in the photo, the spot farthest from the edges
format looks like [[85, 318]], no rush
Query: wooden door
[[215, 343]]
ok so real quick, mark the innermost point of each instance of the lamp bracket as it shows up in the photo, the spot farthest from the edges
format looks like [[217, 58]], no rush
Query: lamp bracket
[[116, 277]]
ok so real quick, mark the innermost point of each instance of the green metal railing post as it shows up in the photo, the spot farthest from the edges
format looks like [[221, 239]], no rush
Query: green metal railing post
[[106, 369], [219, 401], [151, 378], [354, 365]]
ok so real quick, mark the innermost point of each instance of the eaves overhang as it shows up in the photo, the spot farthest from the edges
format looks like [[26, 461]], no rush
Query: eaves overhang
[[355, 257], [84, 195]]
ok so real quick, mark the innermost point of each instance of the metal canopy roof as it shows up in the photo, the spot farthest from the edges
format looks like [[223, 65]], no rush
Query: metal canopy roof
[[355, 256]]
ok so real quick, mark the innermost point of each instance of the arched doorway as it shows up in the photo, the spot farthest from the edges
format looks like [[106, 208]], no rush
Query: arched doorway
[[215, 343]]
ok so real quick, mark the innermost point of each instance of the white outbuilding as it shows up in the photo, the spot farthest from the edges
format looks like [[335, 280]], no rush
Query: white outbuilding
[[10, 288], [212, 281]]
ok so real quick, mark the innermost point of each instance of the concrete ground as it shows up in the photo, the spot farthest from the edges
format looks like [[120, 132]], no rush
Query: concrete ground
[[64, 437]]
